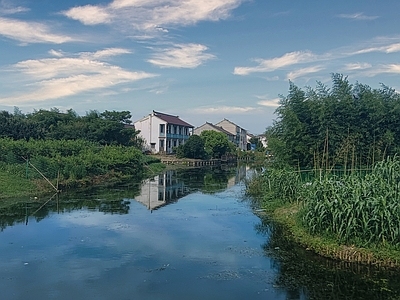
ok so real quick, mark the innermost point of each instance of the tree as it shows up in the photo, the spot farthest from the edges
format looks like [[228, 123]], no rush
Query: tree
[[346, 124], [193, 148], [216, 143]]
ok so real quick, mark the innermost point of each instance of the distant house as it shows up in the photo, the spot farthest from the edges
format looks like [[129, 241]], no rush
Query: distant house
[[210, 126], [239, 133], [163, 132]]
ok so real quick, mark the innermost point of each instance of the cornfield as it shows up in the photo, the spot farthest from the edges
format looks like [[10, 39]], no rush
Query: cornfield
[[358, 208]]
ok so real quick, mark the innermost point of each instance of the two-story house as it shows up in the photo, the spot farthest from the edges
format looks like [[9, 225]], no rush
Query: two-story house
[[239, 133], [163, 132], [210, 126]]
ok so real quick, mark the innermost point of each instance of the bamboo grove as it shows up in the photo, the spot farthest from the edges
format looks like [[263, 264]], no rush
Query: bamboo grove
[[335, 163], [347, 125]]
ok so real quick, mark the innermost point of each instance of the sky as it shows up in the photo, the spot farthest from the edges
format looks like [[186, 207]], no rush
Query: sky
[[202, 60]]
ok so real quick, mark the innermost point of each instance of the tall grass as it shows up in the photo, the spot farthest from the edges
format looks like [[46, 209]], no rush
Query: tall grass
[[359, 208], [363, 209], [273, 184]]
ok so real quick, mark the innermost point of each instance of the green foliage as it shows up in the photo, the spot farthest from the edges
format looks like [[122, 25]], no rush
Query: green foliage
[[345, 125], [107, 128], [216, 143], [282, 185], [71, 160], [193, 148], [357, 208]]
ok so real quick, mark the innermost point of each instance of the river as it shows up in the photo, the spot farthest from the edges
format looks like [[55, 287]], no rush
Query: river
[[184, 234]]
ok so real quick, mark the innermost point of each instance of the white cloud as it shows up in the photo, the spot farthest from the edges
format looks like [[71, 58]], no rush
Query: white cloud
[[151, 15], [358, 16], [105, 53], [56, 53], [357, 66], [304, 71], [383, 69], [268, 102], [54, 78], [30, 32], [224, 110], [89, 14], [390, 48], [269, 65], [8, 8], [181, 56]]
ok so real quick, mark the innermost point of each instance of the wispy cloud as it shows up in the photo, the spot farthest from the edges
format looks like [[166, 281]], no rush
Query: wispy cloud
[[357, 66], [304, 71], [360, 16], [8, 8], [268, 102], [181, 56], [54, 78], [389, 48], [151, 15], [224, 110], [383, 69], [269, 65], [288, 61], [30, 32]]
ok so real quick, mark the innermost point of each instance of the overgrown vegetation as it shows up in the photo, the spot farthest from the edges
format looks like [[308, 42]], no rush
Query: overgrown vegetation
[[68, 150], [209, 144], [349, 200], [345, 125], [71, 163]]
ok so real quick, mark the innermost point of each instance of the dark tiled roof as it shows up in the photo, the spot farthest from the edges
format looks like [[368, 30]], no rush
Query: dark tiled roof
[[171, 119]]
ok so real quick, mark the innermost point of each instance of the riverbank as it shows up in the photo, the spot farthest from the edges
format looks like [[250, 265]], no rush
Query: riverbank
[[14, 186], [288, 216], [342, 218]]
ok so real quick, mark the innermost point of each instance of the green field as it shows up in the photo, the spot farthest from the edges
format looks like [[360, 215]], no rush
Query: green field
[[14, 186]]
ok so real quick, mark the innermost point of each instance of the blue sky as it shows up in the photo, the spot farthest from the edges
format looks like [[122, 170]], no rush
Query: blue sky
[[202, 60]]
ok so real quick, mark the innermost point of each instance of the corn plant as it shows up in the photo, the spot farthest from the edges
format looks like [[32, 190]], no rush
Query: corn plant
[[357, 208]]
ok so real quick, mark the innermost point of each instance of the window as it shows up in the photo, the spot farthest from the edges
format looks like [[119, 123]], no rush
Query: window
[[162, 128], [162, 144], [174, 143], [153, 145]]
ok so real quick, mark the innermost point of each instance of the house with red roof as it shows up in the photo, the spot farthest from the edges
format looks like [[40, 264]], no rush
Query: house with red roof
[[163, 132]]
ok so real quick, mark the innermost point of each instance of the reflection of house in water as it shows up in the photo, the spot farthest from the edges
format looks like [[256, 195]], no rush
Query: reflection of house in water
[[161, 190], [241, 171]]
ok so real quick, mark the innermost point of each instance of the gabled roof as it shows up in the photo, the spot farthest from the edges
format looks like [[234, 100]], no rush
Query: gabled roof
[[217, 128], [230, 122], [170, 119]]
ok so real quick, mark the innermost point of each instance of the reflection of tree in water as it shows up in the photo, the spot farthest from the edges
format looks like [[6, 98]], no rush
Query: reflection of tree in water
[[208, 180], [109, 201], [303, 273]]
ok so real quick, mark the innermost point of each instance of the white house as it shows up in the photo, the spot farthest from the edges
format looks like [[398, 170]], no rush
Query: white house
[[239, 133], [210, 126], [163, 132]]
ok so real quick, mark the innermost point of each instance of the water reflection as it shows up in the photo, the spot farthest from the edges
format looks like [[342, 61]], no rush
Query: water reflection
[[105, 244], [307, 276], [172, 185], [154, 193]]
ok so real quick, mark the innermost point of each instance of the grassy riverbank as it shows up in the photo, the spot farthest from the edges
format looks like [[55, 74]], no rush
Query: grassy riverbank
[[352, 217], [12, 186]]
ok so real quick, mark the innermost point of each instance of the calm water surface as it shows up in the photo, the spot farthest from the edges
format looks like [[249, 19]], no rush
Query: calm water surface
[[186, 234]]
